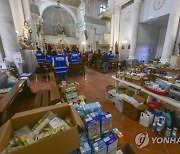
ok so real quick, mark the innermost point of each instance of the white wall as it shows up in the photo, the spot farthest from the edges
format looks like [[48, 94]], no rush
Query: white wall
[[150, 13], [148, 36], [162, 34]]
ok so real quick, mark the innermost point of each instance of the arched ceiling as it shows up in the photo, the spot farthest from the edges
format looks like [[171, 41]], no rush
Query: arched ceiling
[[56, 20]]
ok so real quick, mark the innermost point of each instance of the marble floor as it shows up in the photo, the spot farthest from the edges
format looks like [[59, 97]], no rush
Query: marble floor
[[93, 86]]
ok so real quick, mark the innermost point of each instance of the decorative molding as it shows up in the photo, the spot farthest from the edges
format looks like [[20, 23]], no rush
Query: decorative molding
[[128, 16], [94, 21], [158, 4]]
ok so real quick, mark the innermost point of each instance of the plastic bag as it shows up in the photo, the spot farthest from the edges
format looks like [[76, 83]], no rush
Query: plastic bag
[[43, 122], [11, 81]]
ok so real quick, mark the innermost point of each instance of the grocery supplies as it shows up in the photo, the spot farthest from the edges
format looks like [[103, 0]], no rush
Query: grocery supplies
[[159, 87], [85, 148], [106, 122], [119, 135], [92, 107], [93, 128], [83, 137], [99, 147], [48, 125], [110, 141], [144, 119]]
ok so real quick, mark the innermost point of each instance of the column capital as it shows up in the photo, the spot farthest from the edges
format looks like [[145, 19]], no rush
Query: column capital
[[117, 10]]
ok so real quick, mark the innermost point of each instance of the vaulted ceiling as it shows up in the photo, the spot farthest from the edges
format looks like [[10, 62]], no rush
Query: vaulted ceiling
[[75, 3]]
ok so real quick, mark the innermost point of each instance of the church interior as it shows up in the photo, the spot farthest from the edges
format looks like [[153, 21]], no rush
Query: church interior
[[90, 76]]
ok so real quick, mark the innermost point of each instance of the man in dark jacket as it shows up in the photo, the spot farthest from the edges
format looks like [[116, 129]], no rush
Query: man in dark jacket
[[105, 60]]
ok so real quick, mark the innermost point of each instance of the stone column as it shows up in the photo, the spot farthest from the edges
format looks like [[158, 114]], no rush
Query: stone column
[[7, 30], [117, 25], [171, 32], [112, 30], [135, 25]]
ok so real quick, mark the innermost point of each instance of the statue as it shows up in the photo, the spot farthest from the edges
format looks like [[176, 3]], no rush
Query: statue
[[39, 29], [25, 41], [27, 31], [116, 47]]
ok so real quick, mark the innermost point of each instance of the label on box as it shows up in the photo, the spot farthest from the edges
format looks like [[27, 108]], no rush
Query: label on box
[[55, 123], [108, 116], [88, 119], [96, 148], [106, 139]]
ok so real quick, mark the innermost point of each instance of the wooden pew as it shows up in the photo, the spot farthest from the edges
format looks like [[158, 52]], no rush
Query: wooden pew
[[76, 67], [21, 98]]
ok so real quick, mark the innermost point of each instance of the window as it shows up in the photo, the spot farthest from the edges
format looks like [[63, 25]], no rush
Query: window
[[102, 8]]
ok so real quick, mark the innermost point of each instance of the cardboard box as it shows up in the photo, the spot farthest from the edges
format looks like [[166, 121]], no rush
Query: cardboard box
[[110, 141], [113, 152], [85, 148], [106, 122], [128, 77], [93, 128], [99, 147], [125, 149], [71, 95], [133, 112], [59, 143], [118, 104], [139, 80]]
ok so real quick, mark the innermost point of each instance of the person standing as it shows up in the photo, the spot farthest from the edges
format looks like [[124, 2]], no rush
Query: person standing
[[75, 57], [105, 60], [49, 57], [40, 56], [60, 64], [111, 56], [99, 56], [90, 57]]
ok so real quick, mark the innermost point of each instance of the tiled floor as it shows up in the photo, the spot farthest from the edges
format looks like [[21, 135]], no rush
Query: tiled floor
[[93, 86]]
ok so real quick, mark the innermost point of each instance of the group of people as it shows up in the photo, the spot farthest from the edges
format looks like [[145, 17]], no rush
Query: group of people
[[105, 58], [59, 60]]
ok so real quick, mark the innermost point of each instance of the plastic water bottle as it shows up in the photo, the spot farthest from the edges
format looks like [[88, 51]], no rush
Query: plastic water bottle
[[174, 133], [168, 132], [159, 128], [153, 127]]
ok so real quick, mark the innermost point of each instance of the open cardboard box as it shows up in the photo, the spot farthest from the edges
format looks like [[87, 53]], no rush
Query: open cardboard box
[[133, 112], [60, 143], [139, 80], [128, 77]]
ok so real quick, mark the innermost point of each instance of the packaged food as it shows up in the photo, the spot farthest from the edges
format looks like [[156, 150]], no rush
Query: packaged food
[[93, 128], [106, 122]]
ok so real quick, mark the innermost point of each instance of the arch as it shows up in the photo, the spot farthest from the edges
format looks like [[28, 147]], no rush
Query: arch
[[49, 4]]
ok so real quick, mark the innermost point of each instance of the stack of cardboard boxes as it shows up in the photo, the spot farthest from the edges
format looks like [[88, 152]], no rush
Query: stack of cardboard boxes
[[98, 137]]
